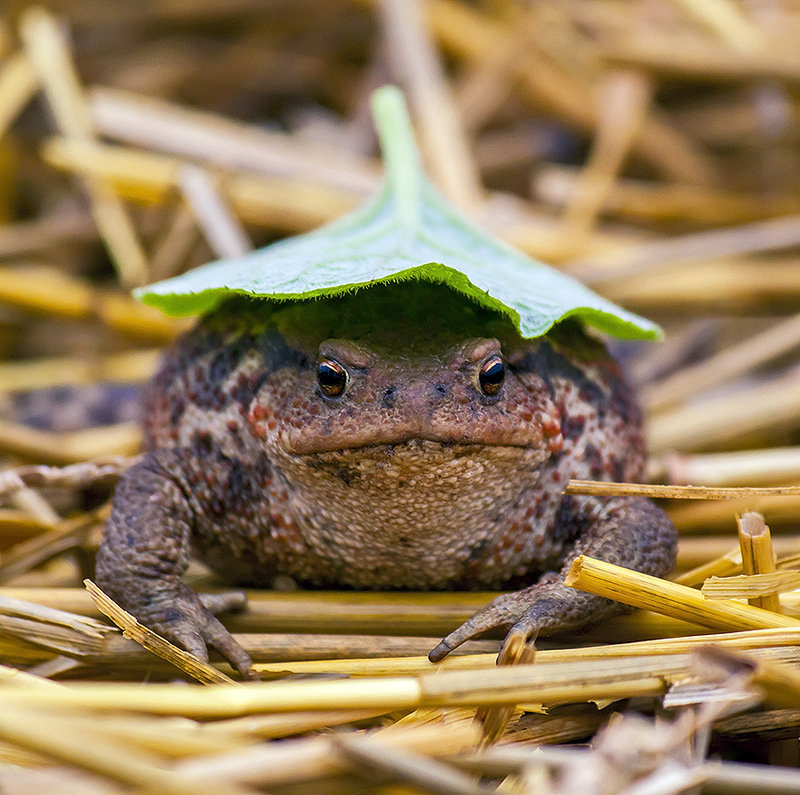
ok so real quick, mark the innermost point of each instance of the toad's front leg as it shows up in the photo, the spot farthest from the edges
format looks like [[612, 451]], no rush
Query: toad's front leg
[[630, 532], [145, 552]]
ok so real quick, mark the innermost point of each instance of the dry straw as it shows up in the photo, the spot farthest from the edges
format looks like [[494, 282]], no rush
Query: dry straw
[[162, 134], [651, 593]]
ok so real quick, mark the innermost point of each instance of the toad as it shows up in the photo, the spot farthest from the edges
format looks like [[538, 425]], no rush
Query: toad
[[397, 438]]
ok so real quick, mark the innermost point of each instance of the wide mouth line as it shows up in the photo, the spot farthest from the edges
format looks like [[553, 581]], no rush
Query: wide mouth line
[[407, 442]]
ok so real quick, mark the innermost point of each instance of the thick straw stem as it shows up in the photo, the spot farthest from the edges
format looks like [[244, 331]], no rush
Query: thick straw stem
[[651, 593], [758, 556]]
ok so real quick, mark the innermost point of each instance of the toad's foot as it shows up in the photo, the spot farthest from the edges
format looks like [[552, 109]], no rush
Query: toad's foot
[[544, 608], [189, 621]]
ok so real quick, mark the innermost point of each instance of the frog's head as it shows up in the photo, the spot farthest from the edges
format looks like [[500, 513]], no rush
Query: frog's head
[[353, 396]]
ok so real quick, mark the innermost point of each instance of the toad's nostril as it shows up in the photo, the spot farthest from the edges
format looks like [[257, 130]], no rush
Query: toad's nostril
[[389, 397], [440, 390]]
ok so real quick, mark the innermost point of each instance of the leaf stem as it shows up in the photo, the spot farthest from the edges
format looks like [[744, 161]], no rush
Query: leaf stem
[[403, 168]]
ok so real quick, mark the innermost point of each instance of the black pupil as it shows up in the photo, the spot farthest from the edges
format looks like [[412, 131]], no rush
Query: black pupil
[[492, 374], [331, 377]]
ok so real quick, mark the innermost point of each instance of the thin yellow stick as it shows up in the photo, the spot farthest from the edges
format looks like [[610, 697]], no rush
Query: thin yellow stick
[[306, 759], [623, 103], [658, 491], [443, 136], [123, 439], [728, 21], [18, 84], [779, 682], [754, 587], [486, 84], [194, 134], [723, 566], [278, 202], [730, 468], [154, 643], [717, 516], [659, 201], [724, 366], [93, 750], [49, 291], [397, 666], [49, 54], [128, 367], [45, 234], [718, 284], [222, 229], [708, 61], [545, 683]]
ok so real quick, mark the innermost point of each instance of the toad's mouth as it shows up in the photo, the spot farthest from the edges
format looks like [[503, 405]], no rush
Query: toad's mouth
[[348, 437], [416, 447], [429, 443]]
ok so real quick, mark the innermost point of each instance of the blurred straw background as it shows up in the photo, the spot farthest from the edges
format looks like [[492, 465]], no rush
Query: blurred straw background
[[651, 148]]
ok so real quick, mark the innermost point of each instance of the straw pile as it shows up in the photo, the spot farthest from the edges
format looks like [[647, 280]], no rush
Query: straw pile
[[649, 148]]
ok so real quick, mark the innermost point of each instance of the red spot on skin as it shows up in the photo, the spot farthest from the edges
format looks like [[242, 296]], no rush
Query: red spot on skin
[[555, 445], [259, 431], [551, 426], [233, 426], [290, 535]]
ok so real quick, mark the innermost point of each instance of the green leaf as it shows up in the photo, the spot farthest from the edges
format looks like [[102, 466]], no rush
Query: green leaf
[[409, 231]]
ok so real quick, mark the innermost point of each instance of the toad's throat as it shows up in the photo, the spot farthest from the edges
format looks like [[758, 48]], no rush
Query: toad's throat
[[403, 504]]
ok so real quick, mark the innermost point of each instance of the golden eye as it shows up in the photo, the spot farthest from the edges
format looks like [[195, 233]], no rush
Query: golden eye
[[331, 377], [491, 375]]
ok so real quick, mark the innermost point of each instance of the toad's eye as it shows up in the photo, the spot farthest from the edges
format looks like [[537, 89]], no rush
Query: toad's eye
[[491, 375], [331, 377]]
